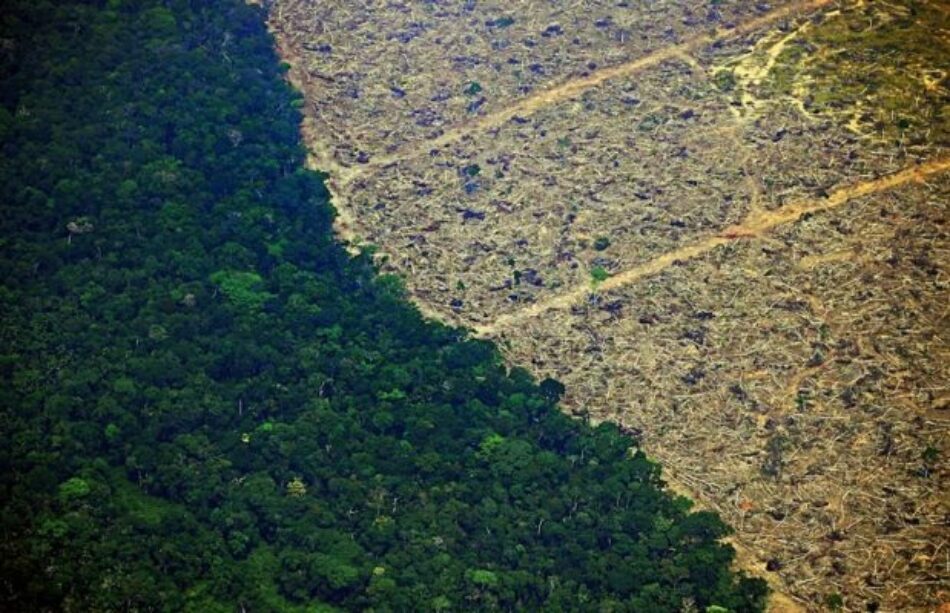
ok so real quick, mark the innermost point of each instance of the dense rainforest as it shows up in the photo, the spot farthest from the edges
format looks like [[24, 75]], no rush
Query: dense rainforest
[[207, 405]]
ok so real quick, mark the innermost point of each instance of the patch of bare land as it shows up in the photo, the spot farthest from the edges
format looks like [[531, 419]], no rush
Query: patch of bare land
[[796, 381], [403, 72], [723, 225]]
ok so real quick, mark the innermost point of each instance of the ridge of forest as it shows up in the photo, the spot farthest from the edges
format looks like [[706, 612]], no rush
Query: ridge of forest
[[207, 405]]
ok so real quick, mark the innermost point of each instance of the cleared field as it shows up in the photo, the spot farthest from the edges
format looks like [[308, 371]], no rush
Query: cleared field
[[402, 72], [724, 227], [795, 381], [519, 213]]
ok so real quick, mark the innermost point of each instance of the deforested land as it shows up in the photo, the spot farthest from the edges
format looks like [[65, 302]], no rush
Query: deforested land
[[722, 225]]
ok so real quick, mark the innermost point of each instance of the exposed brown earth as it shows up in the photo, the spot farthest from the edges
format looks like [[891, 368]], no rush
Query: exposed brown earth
[[723, 227]]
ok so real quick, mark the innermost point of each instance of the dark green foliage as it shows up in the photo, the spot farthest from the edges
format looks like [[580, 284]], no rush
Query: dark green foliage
[[207, 406]]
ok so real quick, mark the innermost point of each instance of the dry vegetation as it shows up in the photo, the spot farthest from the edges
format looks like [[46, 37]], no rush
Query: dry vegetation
[[794, 382], [722, 225], [396, 73]]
